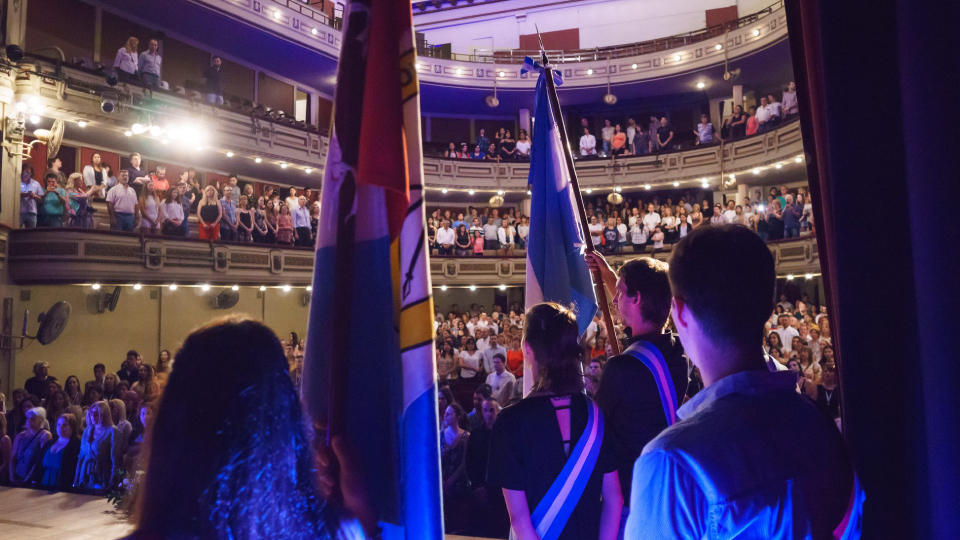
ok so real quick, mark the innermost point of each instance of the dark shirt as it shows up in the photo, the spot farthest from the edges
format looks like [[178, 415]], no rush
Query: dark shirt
[[129, 376], [631, 403], [38, 387], [478, 454], [791, 215], [663, 133], [527, 454], [62, 478], [828, 401], [213, 84], [133, 174], [483, 142]]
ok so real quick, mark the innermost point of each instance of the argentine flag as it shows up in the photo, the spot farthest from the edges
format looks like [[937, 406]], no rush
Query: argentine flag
[[556, 268]]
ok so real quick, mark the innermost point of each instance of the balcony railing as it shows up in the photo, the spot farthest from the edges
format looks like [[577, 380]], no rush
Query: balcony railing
[[562, 56], [50, 256]]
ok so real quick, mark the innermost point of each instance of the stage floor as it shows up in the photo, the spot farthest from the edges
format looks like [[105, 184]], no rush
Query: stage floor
[[32, 513]]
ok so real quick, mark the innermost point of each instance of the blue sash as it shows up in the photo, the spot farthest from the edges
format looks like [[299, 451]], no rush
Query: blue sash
[[653, 359], [852, 523], [553, 511]]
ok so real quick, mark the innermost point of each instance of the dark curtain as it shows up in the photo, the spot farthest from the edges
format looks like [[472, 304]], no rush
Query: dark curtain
[[877, 92]]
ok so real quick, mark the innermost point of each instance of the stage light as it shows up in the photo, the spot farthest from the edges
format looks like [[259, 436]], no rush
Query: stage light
[[634, 66], [756, 32], [95, 286], [718, 47], [444, 191], [471, 192], [473, 288], [286, 288], [443, 288], [789, 277], [128, 133], [205, 287], [229, 154], [235, 288], [590, 71], [283, 165], [503, 287], [676, 184], [808, 276], [756, 170], [589, 191], [308, 170], [173, 286], [263, 288], [258, 160], [81, 123], [798, 159], [137, 286], [701, 85]]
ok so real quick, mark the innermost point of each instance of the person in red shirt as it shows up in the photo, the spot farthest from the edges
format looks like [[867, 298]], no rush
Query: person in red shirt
[[515, 358]]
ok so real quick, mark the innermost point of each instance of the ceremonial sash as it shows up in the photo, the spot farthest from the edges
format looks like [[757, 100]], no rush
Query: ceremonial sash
[[651, 357], [851, 525], [554, 510]]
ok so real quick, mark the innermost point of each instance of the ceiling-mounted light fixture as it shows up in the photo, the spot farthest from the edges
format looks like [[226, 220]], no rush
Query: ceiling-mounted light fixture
[[609, 98]]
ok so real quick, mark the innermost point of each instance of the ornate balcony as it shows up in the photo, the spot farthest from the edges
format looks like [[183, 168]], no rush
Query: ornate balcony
[[52, 256]]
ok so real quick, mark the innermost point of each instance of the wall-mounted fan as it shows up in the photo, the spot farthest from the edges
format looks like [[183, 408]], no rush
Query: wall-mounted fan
[[52, 137], [226, 299], [52, 323]]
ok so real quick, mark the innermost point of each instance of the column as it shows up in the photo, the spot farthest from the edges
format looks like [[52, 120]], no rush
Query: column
[[16, 23], [525, 121], [737, 95], [741, 193]]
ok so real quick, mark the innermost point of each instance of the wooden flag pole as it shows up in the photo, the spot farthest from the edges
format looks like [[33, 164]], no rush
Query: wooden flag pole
[[568, 158]]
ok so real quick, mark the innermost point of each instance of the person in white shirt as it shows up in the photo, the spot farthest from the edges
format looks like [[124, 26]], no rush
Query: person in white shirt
[[506, 235], [483, 342], [523, 145], [730, 214], [501, 381], [638, 236], [30, 192], [588, 144], [149, 64], [493, 349], [446, 237], [786, 332], [775, 110], [293, 202], [651, 220], [763, 116], [596, 231], [621, 233], [606, 132], [122, 204], [634, 217], [789, 100], [523, 229], [471, 360], [126, 61]]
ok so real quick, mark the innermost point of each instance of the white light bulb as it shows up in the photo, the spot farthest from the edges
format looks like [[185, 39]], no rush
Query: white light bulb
[[205, 287], [756, 32], [808, 276], [701, 85], [471, 192], [503, 287], [718, 46], [634, 66], [798, 159], [646, 186], [444, 190], [789, 277], [81, 123], [155, 131], [618, 189], [286, 288], [589, 191], [137, 286], [676, 184], [173, 286], [138, 128], [590, 71], [309, 288], [779, 165], [473, 287], [263, 288], [95, 286], [501, 74], [229, 154], [756, 170], [459, 71], [677, 57], [235, 288], [443, 287], [258, 160], [313, 31], [500, 192], [308, 170], [128, 133], [283, 165]]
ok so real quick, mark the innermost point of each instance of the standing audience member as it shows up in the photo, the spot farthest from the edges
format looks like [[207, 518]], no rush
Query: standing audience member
[[285, 226], [150, 214], [150, 64], [118, 412], [244, 221], [54, 204], [488, 513], [59, 459], [535, 438], [6, 449], [228, 221], [255, 472], [71, 388], [704, 131], [502, 382], [301, 223], [125, 61], [789, 103], [209, 215], [136, 176], [39, 384], [173, 223], [710, 474], [99, 371], [28, 447], [30, 192], [81, 213], [446, 239], [588, 144], [213, 84], [664, 135], [462, 242], [453, 463], [99, 459], [130, 370], [122, 204]]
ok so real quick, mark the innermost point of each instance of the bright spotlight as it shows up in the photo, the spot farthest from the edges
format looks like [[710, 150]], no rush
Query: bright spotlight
[[756, 32], [676, 184], [444, 190], [503, 287], [779, 165], [137, 286], [308, 170], [313, 31], [589, 191], [258, 160], [798, 159], [283, 165], [138, 128], [677, 57], [95, 286], [82, 123], [808, 276], [205, 287], [500, 192], [235, 288], [501, 74], [789, 277], [718, 47], [286, 288], [646, 187], [443, 288], [473, 287], [634, 66], [701, 85], [230, 154], [155, 131], [263, 288], [471, 192], [173, 286], [309, 288], [34, 119], [459, 71], [756, 170], [128, 133], [590, 71]]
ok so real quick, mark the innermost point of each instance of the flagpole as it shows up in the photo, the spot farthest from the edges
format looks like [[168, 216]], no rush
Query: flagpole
[[575, 184]]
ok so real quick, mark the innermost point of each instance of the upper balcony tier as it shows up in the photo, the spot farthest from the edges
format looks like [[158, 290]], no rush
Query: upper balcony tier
[[746, 161]]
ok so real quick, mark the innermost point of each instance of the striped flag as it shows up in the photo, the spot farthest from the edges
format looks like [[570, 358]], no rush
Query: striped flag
[[369, 369], [556, 267]]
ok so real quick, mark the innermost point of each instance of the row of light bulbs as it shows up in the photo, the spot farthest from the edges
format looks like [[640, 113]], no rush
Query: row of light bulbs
[[205, 287], [677, 58], [703, 181]]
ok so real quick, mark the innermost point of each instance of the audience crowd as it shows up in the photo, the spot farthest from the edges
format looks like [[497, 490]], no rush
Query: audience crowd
[[636, 225], [149, 202], [626, 136]]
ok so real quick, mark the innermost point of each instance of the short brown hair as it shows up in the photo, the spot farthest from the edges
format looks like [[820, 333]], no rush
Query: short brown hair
[[648, 276]]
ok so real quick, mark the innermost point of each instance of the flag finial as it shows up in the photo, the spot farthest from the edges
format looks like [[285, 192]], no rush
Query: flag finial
[[543, 52]]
